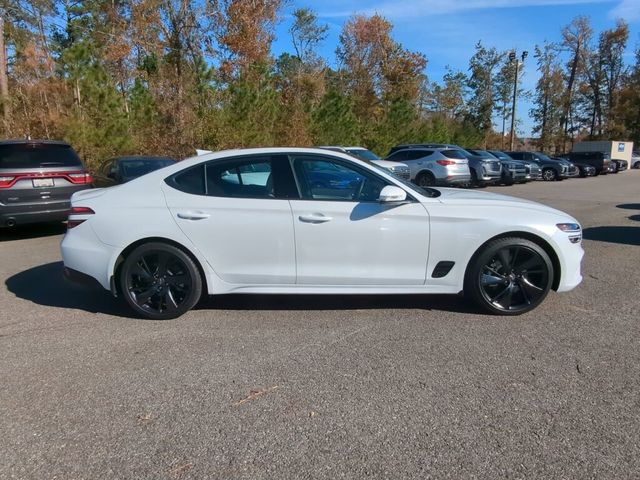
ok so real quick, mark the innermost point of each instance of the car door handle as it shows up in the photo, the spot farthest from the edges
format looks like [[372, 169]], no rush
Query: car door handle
[[314, 218], [193, 215]]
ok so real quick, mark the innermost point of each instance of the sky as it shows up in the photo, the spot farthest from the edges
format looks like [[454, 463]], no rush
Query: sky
[[446, 31]]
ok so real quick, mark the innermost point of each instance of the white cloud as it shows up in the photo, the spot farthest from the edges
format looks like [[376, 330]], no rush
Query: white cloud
[[628, 10], [419, 8]]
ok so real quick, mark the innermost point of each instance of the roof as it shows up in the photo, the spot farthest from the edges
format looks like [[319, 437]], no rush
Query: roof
[[142, 157], [26, 141]]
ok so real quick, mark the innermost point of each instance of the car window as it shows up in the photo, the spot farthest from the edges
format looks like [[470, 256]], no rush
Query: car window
[[456, 154], [414, 155], [38, 156], [243, 178], [325, 179], [190, 181], [398, 156]]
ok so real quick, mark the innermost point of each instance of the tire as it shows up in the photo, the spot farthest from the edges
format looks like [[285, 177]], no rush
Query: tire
[[425, 179], [549, 175], [509, 276], [159, 281]]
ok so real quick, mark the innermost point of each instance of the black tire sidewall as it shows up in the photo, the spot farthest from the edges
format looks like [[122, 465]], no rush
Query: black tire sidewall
[[187, 304], [472, 288]]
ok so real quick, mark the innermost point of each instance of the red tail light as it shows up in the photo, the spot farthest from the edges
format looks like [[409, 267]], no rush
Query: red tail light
[[6, 182], [74, 222], [444, 163], [80, 178]]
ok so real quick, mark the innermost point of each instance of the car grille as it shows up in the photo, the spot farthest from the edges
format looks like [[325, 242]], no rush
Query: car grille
[[492, 166], [402, 172]]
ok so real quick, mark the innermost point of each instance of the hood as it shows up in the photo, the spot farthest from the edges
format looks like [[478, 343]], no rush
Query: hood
[[387, 164], [454, 196]]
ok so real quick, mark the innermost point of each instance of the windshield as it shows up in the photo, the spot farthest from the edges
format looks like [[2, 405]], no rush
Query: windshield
[[542, 156], [363, 154], [427, 192], [38, 156], [501, 155]]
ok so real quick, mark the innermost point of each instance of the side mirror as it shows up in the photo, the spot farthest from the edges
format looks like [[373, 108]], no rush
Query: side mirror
[[392, 194]]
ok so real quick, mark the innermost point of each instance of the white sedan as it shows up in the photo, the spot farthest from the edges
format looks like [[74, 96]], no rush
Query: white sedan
[[293, 220]]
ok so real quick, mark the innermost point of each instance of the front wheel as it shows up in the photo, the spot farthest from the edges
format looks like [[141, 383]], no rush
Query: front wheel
[[510, 276], [549, 175], [160, 281], [425, 179]]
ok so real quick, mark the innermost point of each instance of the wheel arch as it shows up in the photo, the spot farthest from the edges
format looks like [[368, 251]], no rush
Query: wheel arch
[[425, 171], [538, 240], [128, 249]]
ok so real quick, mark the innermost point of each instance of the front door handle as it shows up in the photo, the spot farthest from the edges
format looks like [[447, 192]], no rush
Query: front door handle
[[193, 215], [314, 218]]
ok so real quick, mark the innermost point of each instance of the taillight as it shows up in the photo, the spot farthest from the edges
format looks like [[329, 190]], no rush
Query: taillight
[[444, 163], [6, 182], [74, 222], [80, 178]]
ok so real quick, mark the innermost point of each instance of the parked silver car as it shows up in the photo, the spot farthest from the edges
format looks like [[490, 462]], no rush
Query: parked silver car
[[512, 171], [434, 166], [399, 169]]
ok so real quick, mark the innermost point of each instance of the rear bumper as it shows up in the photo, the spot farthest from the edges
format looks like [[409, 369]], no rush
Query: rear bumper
[[80, 278], [11, 215], [453, 180]]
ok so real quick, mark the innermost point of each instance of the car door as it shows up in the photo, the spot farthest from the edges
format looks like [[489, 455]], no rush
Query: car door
[[344, 236], [236, 212]]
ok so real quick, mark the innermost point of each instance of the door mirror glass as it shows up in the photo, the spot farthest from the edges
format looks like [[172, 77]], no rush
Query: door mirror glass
[[392, 194]]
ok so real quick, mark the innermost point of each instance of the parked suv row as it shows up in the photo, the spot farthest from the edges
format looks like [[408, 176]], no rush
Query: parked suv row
[[551, 169]]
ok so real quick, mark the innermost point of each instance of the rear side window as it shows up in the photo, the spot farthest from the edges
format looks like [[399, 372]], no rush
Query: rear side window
[[398, 156], [189, 181], [38, 156], [414, 155], [455, 154]]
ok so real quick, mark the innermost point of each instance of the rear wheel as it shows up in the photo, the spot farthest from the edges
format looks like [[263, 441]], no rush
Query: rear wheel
[[549, 174], [425, 179], [160, 281], [510, 276]]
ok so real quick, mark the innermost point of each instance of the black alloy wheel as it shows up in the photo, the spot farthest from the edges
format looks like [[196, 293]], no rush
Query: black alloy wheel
[[510, 276], [160, 281], [549, 175]]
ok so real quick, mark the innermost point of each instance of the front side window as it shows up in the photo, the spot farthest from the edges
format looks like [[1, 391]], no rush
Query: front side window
[[324, 179], [398, 156]]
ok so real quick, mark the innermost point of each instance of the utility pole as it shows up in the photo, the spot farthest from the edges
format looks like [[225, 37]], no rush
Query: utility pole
[[513, 58]]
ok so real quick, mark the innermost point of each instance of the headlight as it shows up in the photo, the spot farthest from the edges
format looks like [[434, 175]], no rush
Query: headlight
[[569, 227]]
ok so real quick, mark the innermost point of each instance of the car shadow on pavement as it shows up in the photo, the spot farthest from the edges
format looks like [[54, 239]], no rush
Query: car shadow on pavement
[[629, 206], [614, 234], [45, 285], [32, 231], [635, 218], [447, 303]]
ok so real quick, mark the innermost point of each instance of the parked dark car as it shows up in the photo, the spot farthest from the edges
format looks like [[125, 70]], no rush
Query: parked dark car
[[124, 169], [584, 169], [513, 171], [532, 169], [37, 179], [621, 165], [551, 169], [601, 161]]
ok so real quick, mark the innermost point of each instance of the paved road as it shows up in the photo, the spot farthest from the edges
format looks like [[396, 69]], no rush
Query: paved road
[[316, 387]]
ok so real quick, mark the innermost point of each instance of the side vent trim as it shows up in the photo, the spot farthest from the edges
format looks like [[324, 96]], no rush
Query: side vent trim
[[442, 269]]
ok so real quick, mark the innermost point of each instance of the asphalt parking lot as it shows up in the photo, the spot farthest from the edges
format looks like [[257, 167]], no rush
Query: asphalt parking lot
[[329, 387]]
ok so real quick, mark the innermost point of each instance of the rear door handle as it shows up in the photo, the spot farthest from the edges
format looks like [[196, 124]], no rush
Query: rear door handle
[[193, 215], [314, 218]]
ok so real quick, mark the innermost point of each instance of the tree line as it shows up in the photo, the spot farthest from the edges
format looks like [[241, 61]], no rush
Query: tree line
[[168, 76]]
